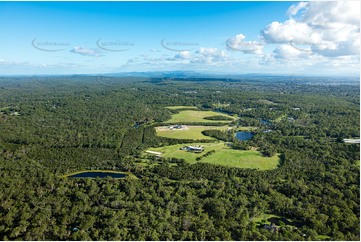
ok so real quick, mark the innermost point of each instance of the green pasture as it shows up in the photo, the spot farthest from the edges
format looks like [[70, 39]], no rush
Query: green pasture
[[193, 116], [181, 107], [192, 132], [223, 156]]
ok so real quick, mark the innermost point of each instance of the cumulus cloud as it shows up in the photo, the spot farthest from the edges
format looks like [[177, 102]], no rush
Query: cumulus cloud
[[328, 29], [295, 8], [208, 56], [203, 55], [183, 55], [214, 54], [86, 51], [317, 37], [288, 52], [238, 43], [291, 30], [326, 13]]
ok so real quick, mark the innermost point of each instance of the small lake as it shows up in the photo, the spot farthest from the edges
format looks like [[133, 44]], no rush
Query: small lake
[[100, 174], [244, 135]]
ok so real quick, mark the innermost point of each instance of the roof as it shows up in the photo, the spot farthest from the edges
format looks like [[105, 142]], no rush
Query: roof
[[196, 147], [353, 141]]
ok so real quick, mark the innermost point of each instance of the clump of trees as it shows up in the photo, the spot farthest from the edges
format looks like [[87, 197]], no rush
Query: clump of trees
[[205, 155], [218, 134], [240, 145], [219, 117]]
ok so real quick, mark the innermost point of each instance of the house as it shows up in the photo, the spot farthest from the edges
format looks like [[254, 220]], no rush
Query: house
[[267, 130], [175, 127], [196, 149], [352, 141]]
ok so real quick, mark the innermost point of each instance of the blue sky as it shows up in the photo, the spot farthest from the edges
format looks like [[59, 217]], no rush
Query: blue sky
[[218, 37]]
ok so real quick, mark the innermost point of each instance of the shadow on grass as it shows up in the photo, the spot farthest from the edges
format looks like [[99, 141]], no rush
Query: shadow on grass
[[280, 221]]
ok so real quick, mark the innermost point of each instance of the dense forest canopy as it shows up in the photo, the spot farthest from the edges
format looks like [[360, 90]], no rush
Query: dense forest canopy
[[51, 126]]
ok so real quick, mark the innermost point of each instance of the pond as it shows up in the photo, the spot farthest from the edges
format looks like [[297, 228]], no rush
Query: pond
[[100, 174], [244, 135]]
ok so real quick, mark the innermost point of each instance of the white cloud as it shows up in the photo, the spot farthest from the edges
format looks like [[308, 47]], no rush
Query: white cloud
[[85, 51], [325, 13], [209, 56], [183, 55], [285, 32], [295, 8], [317, 38], [328, 29], [211, 52], [238, 43], [288, 52]]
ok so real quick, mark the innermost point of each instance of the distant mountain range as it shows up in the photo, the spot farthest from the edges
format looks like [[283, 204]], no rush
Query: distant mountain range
[[187, 74], [201, 75], [194, 74]]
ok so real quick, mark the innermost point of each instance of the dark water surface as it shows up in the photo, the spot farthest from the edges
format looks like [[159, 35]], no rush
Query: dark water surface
[[244, 135], [100, 174]]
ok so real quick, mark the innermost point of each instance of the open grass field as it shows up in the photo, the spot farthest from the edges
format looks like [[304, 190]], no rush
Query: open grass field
[[181, 107], [223, 156], [265, 217], [189, 116], [280, 118], [323, 237], [190, 132], [278, 220]]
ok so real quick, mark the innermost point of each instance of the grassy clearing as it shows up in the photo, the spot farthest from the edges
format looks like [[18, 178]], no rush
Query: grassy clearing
[[191, 132], [129, 174], [242, 159], [223, 156], [189, 116], [220, 105], [181, 107], [323, 237], [280, 118], [265, 217], [273, 218]]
